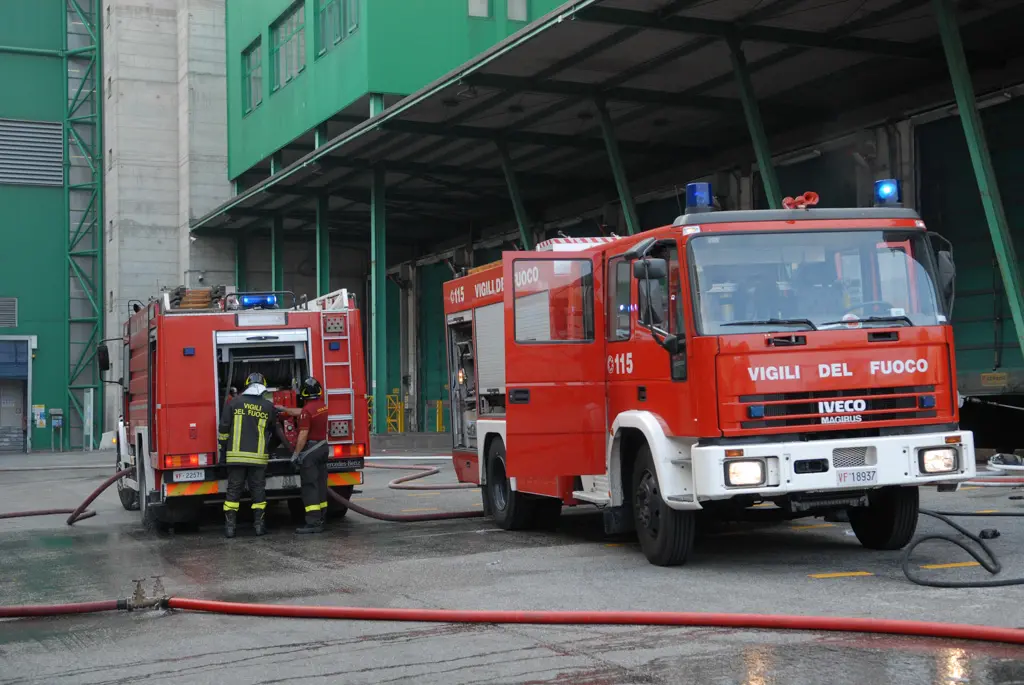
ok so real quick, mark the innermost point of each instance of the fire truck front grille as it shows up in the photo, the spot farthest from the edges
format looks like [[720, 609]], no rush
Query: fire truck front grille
[[847, 457], [838, 407]]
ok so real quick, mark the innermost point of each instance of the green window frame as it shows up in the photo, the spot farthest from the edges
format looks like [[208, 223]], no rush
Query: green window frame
[[288, 45], [480, 9], [252, 76], [335, 21], [351, 15]]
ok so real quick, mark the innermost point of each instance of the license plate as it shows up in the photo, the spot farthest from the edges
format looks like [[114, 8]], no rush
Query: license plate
[[187, 476], [863, 477]]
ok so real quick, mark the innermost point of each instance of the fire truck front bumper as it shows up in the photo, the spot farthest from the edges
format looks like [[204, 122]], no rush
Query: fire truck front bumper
[[780, 468]]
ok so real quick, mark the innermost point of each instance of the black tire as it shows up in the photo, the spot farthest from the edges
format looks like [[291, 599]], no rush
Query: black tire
[[666, 535], [152, 518], [546, 513], [336, 510], [890, 519], [129, 498], [510, 510]]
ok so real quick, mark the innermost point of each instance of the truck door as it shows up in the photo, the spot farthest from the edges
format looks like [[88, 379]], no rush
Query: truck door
[[554, 359]]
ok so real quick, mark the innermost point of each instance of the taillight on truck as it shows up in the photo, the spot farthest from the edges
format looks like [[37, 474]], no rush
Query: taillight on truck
[[186, 461], [339, 451]]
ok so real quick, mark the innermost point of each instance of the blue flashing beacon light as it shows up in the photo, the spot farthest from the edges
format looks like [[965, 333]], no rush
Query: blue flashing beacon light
[[887, 192], [264, 301], [699, 198]]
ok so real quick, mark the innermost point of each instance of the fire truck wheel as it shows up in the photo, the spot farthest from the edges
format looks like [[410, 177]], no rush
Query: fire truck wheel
[[510, 510], [129, 498], [890, 519], [335, 510], [666, 535], [152, 518]]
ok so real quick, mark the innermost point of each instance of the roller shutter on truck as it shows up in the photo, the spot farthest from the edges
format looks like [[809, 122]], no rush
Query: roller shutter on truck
[[987, 355], [533, 318], [490, 347]]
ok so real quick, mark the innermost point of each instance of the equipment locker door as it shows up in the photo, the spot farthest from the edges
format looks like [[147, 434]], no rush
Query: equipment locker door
[[554, 365]]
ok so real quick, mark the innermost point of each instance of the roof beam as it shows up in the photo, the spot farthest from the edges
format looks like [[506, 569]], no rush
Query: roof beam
[[753, 32], [532, 138]]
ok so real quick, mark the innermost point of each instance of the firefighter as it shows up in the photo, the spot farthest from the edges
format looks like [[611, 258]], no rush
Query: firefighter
[[245, 430], [311, 453]]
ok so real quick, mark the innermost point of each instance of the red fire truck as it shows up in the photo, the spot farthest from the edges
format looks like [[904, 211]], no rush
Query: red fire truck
[[188, 351], [736, 364]]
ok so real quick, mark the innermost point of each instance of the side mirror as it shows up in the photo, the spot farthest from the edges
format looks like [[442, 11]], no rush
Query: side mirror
[[674, 344], [947, 273], [650, 269], [103, 357]]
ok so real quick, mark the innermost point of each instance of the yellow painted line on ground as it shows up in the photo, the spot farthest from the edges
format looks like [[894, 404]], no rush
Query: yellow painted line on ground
[[478, 504], [764, 505], [970, 487], [986, 511], [422, 494], [958, 564], [844, 574], [363, 499], [813, 525], [406, 511]]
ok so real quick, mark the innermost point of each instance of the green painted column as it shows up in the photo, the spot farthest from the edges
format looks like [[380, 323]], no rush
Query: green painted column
[[241, 259], [991, 201], [320, 135], [378, 289], [611, 144], [323, 246], [275, 162], [522, 218], [277, 254], [754, 124]]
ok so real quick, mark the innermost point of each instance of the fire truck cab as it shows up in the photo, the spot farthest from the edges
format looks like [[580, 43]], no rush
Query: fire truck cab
[[188, 352], [734, 365]]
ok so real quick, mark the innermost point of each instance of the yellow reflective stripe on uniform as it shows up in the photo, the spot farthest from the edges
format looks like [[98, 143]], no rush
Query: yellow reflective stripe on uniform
[[323, 505], [254, 461], [230, 506], [261, 446], [236, 430], [259, 505], [223, 436], [313, 507]]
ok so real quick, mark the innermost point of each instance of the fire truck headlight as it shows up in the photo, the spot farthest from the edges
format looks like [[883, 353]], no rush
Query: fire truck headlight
[[744, 472], [937, 459]]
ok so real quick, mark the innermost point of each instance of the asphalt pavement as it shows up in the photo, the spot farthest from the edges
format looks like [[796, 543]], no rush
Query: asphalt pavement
[[804, 567]]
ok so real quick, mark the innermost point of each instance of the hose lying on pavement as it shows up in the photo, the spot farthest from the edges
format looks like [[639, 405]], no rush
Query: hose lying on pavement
[[399, 484], [987, 558], [79, 513], [952, 631]]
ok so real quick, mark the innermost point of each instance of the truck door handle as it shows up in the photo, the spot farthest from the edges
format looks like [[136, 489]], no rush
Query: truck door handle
[[519, 396]]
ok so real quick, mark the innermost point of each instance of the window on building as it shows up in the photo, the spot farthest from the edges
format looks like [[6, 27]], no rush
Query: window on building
[[351, 15], [330, 24], [518, 10], [288, 45], [252, 77], [480, 8], [620, 279]]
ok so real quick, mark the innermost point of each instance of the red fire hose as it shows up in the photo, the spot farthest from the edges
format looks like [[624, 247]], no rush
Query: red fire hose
[[953, 631], [77, 514], [398, 484]]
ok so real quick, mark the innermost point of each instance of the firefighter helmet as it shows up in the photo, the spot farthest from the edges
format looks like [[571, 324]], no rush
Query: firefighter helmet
[[255, 377], [311, 389]]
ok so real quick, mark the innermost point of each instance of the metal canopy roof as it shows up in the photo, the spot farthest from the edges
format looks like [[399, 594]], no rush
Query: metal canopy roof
[[663, 70]]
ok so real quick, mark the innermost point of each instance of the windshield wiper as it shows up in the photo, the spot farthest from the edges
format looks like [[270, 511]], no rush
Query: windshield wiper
[[872, 319], [774, 322]]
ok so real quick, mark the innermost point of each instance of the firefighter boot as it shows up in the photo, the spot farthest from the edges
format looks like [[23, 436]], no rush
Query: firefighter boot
[[230, 519], [258, 522], [314, 523]]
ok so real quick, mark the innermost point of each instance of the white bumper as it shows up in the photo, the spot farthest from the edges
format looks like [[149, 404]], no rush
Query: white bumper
[[852, 464]]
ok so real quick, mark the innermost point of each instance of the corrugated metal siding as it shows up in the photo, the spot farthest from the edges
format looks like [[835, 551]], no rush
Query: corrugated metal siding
[[490, 346], [8, 312], [31, 152]]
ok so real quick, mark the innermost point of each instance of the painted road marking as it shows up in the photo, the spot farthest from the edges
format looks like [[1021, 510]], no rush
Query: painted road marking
[[970, 487], [844, 574], [422, 494], [363, 499], [813, 525], [405, 511], [613, 544], [478, 504], [986, 511], [958, 564]]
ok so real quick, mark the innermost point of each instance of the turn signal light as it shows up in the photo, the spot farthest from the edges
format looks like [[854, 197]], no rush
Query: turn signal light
[[186, 461], [734, 453], [952, 439], [338, 451]]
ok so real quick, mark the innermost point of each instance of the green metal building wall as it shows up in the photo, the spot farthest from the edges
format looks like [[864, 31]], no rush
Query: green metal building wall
[[32, 218], [433, 383], [950, 204]]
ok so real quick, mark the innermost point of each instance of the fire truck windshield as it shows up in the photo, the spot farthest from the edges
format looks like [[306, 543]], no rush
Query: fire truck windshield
[[813, 280]]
